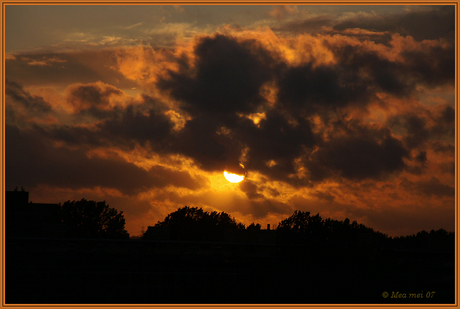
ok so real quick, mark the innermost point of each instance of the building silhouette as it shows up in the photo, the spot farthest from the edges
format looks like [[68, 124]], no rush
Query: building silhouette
[[27, 219]]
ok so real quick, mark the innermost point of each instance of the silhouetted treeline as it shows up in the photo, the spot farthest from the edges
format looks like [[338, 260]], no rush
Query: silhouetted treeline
[[214, 259], [90, 219], [434, 240], [301, 228]]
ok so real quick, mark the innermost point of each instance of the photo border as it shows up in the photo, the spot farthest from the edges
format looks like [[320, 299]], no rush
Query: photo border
[[235, 2]]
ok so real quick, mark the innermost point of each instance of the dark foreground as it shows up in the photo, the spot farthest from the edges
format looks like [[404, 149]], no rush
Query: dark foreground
[[63, 271]]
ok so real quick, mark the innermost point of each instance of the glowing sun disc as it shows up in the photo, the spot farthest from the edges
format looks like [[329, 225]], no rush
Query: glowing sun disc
[[234, 178]]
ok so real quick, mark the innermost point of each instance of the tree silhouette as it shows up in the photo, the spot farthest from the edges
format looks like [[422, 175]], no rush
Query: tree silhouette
[[302, 228], [433, 240], [90, 219], [254, 226], [192, 223]]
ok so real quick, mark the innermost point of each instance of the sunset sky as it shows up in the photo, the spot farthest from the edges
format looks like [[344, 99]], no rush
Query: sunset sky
[[345, 111]]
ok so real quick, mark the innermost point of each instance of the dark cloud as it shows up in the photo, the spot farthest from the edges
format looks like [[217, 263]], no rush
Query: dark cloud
[[272, 191], [73, 135], [429, 24], [33, 104], [227, 77], [418, 165], [125, 132], [448, 167], [251, 189], [203, 138], [444, 127], [164, 176], [144, 124], [210, 143], [448, 115], [324, 196], [444, 147], [421, 157], [276, 139], [432, 66], [358, 157], [92, 98], [430, 187], [36, 161], [308, 25], [306, 89], [381, 74], [142, 127], [412, 127], [417, 133], [352, 81]]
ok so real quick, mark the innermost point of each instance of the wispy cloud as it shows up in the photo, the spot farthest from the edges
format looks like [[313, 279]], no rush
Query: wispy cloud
[[45, 61], [132, 26]]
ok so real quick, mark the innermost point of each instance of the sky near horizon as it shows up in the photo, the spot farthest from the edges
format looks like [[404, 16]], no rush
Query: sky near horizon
[[343, 110]]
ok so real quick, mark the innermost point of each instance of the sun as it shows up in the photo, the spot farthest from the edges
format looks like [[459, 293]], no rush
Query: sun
[[235, 174], [234, 178]]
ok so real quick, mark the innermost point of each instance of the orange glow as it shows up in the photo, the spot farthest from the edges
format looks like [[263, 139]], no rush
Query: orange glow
[[235, 174]]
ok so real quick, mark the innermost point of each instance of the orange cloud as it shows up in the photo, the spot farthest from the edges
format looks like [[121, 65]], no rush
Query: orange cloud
[[145, 64], [97, 95], [280, 11]]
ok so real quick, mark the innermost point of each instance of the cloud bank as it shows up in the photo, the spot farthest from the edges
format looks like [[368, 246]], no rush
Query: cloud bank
[[331, 120]]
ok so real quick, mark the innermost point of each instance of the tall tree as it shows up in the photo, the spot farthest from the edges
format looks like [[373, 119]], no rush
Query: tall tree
[[90, 219], [192, 223], [301, 227]]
